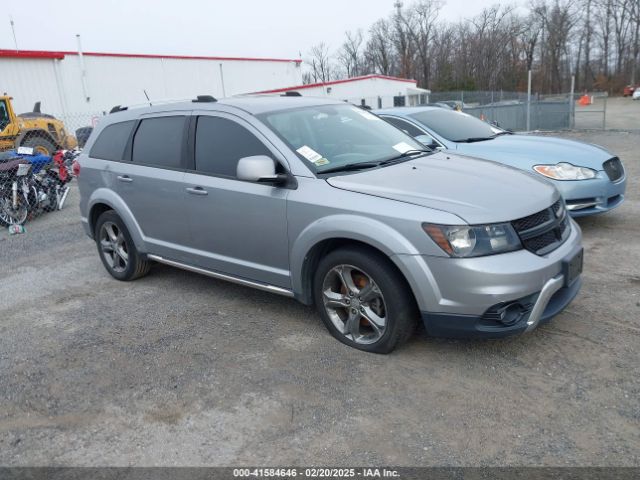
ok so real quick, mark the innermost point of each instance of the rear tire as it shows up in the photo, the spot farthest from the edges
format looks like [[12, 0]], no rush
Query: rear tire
[[363, 300], [117, 250]]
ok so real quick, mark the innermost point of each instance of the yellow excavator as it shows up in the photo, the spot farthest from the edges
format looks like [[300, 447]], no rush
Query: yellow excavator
[[44, 133]]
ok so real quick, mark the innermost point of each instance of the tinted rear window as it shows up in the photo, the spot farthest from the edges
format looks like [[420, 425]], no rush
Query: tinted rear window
[[158, 141], [406, 127], [112, 141], [453, 125]]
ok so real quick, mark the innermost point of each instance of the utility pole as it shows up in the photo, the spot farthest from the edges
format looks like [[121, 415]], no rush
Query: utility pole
[[83, 72], [13, 31]]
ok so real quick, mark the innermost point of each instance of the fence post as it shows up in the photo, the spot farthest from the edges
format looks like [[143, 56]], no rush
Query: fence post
[[572, 103], [493, 108], [604, 113], [529, 102]]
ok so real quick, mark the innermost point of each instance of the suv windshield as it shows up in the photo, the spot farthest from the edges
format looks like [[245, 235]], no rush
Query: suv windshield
[[454, 126], [329, 137]]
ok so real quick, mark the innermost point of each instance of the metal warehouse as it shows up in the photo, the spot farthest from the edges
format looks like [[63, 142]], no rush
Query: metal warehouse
[[376, 91], [79, 86]]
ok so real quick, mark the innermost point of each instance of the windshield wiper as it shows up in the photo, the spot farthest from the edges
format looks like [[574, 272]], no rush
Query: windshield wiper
[[350, 166], [404, 155], [362, 165], [474, 139]]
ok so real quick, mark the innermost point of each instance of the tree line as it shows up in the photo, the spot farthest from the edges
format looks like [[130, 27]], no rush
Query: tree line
[[597, 41]]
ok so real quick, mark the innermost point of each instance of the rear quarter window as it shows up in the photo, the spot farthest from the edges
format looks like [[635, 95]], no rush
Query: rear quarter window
[[112, 141]]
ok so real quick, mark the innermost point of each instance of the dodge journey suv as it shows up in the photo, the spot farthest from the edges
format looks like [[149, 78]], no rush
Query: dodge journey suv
[[325, 202]]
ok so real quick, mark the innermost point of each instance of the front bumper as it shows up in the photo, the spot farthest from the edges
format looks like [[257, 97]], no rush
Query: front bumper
[[549, 302], [455, 295], [589, 197]]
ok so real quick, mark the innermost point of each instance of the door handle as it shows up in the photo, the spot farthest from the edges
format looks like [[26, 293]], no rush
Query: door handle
[[125, 178], [197, 191]]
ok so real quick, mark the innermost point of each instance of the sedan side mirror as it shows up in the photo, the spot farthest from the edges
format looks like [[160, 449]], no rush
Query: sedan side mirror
[[259, 168], [427, 141]]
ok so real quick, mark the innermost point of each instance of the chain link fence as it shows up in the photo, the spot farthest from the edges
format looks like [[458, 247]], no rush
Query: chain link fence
[[37, 151], [509, 110]]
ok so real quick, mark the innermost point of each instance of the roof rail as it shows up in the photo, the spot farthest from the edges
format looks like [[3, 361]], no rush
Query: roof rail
[[204, 99], [117, 108], [291, 93]]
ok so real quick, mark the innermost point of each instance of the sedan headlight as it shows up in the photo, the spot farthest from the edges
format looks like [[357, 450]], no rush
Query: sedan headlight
[[565, 171], [474, 240]]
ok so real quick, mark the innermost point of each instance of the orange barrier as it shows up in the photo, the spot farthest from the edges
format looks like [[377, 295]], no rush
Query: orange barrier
[[585, 100]]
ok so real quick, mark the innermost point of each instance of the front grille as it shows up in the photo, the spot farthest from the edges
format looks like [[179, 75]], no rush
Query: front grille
[[532, 221], [613, 168], [544, 231]]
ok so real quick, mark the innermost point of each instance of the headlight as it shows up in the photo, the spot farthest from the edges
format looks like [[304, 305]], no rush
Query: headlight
[[565, 171], [474, 240]]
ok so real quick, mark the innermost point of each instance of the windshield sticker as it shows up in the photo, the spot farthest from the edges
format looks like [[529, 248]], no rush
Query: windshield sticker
[[321, 161], [309, 153], [403, 147], [365, 114]]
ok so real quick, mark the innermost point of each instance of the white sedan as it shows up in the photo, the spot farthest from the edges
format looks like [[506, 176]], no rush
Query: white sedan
[[636, 94]]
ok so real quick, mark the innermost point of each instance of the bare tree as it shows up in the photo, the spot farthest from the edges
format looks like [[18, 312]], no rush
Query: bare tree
[[320, 62], [350, 54], [632, 8], [424, 14], [379, 51], [598, 41]]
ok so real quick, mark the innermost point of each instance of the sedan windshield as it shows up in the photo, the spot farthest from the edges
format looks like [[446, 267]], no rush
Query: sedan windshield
[[331, 138], [455, 126]]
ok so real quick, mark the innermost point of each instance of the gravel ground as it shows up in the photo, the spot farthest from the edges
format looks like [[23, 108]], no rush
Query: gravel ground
[[180, 369]]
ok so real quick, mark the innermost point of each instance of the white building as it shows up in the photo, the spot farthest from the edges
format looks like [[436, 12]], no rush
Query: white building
[[376, 91], [78, 88]]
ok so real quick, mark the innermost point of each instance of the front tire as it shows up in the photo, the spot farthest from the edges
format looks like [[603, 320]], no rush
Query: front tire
[[363, 300], [117, 250]]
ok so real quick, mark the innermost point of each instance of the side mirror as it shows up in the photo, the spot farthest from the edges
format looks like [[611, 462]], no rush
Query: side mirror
[[259, 168], [427, 141]]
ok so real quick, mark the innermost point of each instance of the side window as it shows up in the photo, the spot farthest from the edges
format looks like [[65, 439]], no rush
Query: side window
[[158, 141], [406, 127], [220, 143], [112, 141]]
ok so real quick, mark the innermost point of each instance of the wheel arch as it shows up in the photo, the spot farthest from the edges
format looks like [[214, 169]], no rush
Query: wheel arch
[[103, 200], [328, 234]]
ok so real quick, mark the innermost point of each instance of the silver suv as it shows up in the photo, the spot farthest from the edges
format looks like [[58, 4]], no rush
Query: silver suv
[[325, 202]]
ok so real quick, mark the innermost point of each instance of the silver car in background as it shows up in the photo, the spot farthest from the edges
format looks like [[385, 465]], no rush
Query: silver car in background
[[325, 202], [591, 179]]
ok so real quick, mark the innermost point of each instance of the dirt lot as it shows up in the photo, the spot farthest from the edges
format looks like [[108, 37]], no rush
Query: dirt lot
[[179, 369]]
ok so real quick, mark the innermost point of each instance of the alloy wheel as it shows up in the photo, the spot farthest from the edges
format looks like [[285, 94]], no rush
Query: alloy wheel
[[113, 247], [354, 304]]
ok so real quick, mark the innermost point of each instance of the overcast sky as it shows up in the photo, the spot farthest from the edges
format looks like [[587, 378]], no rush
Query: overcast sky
[[267, 28]]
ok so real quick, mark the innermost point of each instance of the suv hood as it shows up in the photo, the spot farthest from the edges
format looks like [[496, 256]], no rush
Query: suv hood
[[524, 151], [475, 190]]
